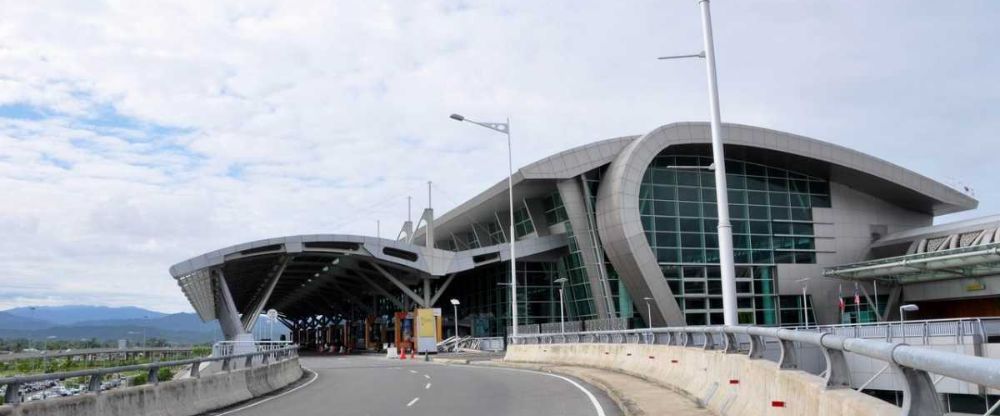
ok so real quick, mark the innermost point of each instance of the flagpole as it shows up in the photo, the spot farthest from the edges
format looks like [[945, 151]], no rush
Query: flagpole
[[878, 312], [840, 302], [857, 304]]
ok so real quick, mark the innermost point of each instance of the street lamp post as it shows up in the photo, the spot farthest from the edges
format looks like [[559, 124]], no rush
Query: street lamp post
[[505, 129], [805, 301], [454, 307], [906, 308], [649, 311], [562, 307], [718, 155]]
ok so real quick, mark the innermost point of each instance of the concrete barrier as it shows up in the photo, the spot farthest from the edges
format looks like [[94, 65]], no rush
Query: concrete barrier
[[726, 384], [185, 397]]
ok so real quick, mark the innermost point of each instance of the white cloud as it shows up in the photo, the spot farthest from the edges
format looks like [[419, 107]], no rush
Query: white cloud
[[175, 128]]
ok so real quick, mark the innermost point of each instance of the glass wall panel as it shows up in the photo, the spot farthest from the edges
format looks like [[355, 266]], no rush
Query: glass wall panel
[[771, 217]]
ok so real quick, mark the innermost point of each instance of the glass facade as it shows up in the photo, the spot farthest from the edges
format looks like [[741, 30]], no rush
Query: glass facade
[[621, 301], [522, 223], [496, 233], [484, 294], [771, 215], [555, 213], [577, 295]]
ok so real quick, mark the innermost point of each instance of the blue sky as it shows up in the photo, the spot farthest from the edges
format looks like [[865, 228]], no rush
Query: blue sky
[[135, 136]]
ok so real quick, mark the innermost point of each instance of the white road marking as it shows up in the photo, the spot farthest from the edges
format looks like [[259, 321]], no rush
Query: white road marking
[[593, 400], [427, 376], [414, 372], [412, 401], [427, 386], [315, 376]]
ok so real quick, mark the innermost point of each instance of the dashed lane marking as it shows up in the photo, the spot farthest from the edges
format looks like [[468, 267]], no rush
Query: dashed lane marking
[[412, 401]]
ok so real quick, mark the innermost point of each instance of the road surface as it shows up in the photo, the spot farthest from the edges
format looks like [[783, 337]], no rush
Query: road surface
[[371, 385]]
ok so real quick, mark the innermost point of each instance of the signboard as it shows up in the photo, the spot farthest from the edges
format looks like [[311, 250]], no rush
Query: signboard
[[272, 314], [427, 329]]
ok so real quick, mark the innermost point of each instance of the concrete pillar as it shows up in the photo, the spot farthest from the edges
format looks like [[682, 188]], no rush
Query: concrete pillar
[[225, 310], [572, 194]]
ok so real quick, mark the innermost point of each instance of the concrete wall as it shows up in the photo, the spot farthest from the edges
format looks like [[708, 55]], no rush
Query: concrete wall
[[726, 384], [843, 235], [185, 397]]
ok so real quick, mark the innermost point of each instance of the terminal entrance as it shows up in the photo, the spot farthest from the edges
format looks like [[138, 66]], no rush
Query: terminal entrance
[[416, 331]]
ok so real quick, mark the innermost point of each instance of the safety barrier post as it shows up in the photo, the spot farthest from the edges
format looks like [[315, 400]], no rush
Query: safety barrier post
[[12, 396], [153, 376]]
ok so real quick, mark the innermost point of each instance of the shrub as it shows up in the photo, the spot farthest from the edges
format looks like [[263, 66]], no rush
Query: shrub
[[164, 374], [139, 380]]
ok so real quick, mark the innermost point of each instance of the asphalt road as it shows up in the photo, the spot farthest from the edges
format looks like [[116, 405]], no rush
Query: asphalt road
[[369, 385]]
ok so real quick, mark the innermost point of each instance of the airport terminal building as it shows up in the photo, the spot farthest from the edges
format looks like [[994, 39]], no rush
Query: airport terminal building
[[630, 222]]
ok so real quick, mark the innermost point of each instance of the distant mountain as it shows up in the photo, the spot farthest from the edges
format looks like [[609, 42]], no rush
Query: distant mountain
[[14, 322], [66, 315], [172, 322], [125, 323], [133, 334]]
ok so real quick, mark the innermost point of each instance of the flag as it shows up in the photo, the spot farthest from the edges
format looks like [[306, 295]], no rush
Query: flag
[[840, 299]]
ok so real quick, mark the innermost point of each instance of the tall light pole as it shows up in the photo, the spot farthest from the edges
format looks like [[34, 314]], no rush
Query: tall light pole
[[805, 301], [906, 308], [649, 311], [562, 307], [454, 306], [718, 156], [505, 129]]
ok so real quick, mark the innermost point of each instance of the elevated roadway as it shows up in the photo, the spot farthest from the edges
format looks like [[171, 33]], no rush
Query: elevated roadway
[[372, 385]]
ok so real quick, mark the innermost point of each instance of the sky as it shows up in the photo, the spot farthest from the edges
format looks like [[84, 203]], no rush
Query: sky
[[135, 135]]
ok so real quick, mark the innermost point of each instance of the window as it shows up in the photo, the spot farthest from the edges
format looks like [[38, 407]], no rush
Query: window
[[522, 223], [771, 216], [555, 213]]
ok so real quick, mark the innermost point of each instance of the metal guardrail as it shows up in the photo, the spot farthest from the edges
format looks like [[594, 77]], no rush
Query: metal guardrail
[[88, 351], [222, 348], [920, 397], [454, 344], [607, 324], [979, 329], [571, 326], [525, 329], [13, 384]]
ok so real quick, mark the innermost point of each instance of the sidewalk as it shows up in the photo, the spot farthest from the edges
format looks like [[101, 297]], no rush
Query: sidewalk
[[634, 395]]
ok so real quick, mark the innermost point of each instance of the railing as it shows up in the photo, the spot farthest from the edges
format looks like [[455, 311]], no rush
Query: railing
[[222, 348], [571, 326], [977, 328], [607, 324], [89, 351], [484, 344], [915, 364], [453, 344], [524, 329], [13, 384]]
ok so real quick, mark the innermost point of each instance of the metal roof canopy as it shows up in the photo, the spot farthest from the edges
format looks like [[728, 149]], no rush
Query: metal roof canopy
[[974, 261]]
